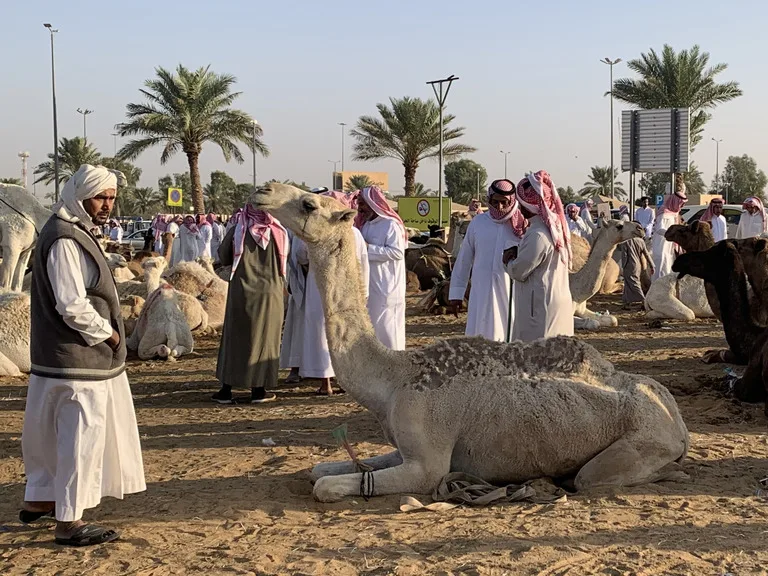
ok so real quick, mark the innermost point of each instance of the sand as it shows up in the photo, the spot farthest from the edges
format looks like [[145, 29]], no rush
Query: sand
[[220, 501]]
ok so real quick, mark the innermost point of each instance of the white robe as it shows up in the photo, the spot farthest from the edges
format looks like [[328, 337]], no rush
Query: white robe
[[116, 234], [189, 249], [750, 225], [586, 216], [646, 217], [218, 236], [386, 299], [293, 331], [80, 441], [204, 240], [173, 228], [315, 357], [543, 303], [579, 228], [481, 259], [719, 228], [664, 253]]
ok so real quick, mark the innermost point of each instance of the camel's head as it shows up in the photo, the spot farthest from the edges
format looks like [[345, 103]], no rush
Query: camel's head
[[156, 264], [694, 237], [617, 231], [115, 261], [712, 265], [312, 217]]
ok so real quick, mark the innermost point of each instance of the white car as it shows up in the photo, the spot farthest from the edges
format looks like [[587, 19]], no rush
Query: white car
[[732, 213], [135, 239]]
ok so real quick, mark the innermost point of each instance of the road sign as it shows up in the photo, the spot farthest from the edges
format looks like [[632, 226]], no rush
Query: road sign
[[420, 213], [175, 196], [655, 140], [659, 200]]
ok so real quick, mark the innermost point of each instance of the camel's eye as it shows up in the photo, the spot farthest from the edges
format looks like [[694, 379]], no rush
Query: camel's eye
[[309, 206], [620, 227]]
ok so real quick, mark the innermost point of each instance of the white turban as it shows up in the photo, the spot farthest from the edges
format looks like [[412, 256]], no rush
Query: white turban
[[88, 182]]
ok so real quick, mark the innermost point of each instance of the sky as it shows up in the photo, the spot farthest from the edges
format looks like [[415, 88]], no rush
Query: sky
[[530, 78]]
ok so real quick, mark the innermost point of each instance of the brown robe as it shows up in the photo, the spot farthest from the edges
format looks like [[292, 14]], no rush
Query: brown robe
[[249, 354]]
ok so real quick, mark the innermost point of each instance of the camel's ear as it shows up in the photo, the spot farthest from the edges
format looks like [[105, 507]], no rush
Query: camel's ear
[[343, 216]]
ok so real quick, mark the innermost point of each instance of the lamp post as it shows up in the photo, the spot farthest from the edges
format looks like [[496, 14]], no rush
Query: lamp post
[[505, 162], [611, 63], [255, 126], [717, 162], [24, 155], [335, 163], [437, 88], [55, 124], [342, 124], [85, 114], [114, 137]]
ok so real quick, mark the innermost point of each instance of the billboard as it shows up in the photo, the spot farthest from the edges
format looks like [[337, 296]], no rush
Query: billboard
[[655, 140], [174, 197], [421, 213]]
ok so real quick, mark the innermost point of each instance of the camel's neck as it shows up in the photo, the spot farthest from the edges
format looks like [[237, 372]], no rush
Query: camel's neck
[[588, 280], [167, 247], [362, 364], [738, 325], [152, 278]]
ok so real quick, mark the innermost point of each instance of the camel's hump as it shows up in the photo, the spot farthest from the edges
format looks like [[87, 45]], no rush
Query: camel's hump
[[19, 199]]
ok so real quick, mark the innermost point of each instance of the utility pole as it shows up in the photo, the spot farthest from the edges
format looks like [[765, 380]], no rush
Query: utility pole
[[437, 88], [611, 63], [55, 123], [255, 125], [114, 138], [85, 114], [717, 163], [24, 155], [505, 162], [342, 124]]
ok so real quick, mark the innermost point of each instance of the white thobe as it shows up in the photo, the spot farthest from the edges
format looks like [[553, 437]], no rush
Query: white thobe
[[204, 239], [218, 236], [719, 228], [292, 344], [646, 217], [480, 258], [579, 228], [116, 234], [80, 441], [158, 245], [750, 225], [386, 297], [315, 357], [543, 303], [173, 228], [188, 245], [586, 216], [664, 252]]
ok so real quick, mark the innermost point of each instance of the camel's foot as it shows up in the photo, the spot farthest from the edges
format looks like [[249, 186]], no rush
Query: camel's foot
[[717, 357], [606, 320], [585, 324], [348, 467], [679, 313]]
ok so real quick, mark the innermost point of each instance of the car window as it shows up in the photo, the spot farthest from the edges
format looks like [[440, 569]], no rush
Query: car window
[[732, 216], [696, 216]]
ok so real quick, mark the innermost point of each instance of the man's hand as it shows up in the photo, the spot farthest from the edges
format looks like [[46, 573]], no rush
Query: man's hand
[[114, 340], [509, 254]]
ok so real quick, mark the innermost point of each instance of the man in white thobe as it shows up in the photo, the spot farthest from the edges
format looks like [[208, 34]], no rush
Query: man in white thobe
[[540, 265], [488, 236], [174, 228], [189, 235], [217, 237], [384, 233], [115, 231], [205, 237], [576, 225], [714, 216], [292, 343], [753, 220], [665, 252], [646, 216], [586, 214], [80, 441]]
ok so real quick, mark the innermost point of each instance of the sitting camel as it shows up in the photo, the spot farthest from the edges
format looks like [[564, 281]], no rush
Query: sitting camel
[[722, 266], [586, 282], [432, 263], [14, 333], [556, 408]]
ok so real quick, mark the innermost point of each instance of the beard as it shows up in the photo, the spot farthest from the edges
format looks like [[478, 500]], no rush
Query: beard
[[100, 219]]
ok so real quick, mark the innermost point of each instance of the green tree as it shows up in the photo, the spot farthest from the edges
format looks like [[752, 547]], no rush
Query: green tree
[[677, 80], [146, 201], [73, 153], [358, 182], [240, 195], [131, 172], [599, 182], [219, 193], [742, 179], [694, 183], [16, 181], [184, 110], [421, 191], [409, 131], [568, 196], [461, 182]]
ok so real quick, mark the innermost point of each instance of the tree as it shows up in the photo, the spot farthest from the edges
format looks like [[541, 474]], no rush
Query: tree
[[600, 182], [677, 80], [131, 172], [73, 153], [16, 181], [568, 196], [240, 195], [742, 179], [219, 193], [358, 182], [409, 131], [146, 200], [653, 184], [694, 183], [422, 192], [461, 183], [183, 111]]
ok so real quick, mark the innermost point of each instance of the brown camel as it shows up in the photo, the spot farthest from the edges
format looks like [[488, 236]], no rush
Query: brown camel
[[696, 237], [432, 263]]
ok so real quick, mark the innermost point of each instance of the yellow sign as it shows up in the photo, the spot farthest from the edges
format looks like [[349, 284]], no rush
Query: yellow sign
[[421, 213], [174, 197]]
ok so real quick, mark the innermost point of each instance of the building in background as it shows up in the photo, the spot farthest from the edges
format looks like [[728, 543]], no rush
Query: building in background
[[341, 179]]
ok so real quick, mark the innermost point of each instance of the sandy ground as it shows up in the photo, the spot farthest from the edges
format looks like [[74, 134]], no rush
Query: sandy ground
[[221, 502]]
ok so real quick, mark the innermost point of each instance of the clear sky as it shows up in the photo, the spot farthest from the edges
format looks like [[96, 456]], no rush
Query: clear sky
[[530, 78]]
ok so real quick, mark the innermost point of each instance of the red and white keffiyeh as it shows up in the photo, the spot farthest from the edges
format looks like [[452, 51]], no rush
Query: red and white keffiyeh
[[348, 200], [673, 201], [512, 212], [189, 224], [374, 197], [757, 203], [538, 195], [709, 214], [263, 228]]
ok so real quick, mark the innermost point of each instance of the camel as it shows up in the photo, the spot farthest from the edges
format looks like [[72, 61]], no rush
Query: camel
[[458, 230], [130, 310], [432, 263], [412, 284], [586, 282], [14, 333], [581, 250], [193, 279], [722, 266], [21, 219], [502, 412], [161, 330]]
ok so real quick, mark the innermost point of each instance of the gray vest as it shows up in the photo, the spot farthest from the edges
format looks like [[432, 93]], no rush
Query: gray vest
[[56, 350]]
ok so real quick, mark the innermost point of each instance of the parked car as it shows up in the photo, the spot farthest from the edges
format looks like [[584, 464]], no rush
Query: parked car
[[732, 213], [135, 239]]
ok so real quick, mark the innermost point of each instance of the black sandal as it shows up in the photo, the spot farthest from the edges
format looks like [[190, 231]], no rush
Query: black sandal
[[89, 535], [29, 517]]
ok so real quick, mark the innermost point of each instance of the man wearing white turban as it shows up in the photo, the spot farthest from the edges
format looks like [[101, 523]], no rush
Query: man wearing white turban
[[80, 440]]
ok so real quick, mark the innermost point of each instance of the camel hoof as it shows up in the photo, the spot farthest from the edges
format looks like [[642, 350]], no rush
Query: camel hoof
[[164, 352], [608, 321], [587, 324], [328, 489]]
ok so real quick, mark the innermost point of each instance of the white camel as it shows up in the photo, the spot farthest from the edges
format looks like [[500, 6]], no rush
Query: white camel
[[14, 333], [503, 412], [21, 219]]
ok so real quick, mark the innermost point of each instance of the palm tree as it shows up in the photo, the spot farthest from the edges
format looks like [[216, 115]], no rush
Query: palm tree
[[16, 181], [408, 132], [183, 111], [421, 191], [73, 153], [677, 80], [145, 200], [600, 182], [358, 182]]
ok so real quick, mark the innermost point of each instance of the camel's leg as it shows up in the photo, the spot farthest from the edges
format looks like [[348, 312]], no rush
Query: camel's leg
[[8, 267], [21, 268], [584, 324], [348, 467], [720, 356], [587, 314], [751, 387], [419, 477], [623, 464]]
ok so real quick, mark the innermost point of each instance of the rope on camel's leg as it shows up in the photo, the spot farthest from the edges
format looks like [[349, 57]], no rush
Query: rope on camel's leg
[[366, 480]]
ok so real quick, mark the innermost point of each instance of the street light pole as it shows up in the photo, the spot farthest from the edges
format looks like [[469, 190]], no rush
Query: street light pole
[[114, 137], [335, 163], [437, 88], [342, 124], [611, 64], [505, 162], [255, 125], [55, 123], [85, 114], [717, 162]]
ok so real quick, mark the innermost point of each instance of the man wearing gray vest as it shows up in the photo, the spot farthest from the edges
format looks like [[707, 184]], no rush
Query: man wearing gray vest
[[80, 441]]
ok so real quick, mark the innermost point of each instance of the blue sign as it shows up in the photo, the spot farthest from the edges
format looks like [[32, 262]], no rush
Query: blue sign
[[659, 200]]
